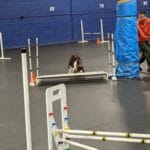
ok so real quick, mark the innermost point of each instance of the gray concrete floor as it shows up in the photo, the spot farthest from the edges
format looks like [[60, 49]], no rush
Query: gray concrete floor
[[113, 106]]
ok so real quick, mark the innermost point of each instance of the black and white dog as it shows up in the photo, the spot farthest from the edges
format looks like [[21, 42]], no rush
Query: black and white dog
[[75, 64]]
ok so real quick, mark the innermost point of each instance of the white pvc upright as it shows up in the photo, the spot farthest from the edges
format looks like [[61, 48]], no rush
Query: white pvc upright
[[82, 33], [26, 100], [105, 138], [102, 30], [37, 57], [54, 94], [78, 145], [30, 55], [101, 33], [2, 48], [109, 54], [113, 59]]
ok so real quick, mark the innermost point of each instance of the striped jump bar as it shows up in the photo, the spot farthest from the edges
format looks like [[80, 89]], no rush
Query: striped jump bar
[[118, 134], [113, 139]]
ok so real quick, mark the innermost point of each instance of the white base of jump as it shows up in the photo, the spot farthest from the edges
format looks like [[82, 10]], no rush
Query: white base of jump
[[5, 58], [72, 76], [83, 42], [2, 56], [112, 77]]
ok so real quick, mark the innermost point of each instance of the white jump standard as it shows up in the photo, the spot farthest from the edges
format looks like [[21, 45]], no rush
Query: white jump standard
[[76, 77], [32, 82], [2, 57], [111, 56], [68, 77], [26, 99], [83, 33], [63, 137]]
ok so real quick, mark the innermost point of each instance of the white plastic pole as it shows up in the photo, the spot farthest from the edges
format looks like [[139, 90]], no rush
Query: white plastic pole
[[113, 55], [104, 138], [104, 133], [76, 131], [78, 145], [113, 59], [83, 137], [26, 100], [102, 30], [137, 135], [30, 55], [128, 140], [109, 54], [82, 33], [2, 48], [147, 141], [85, 132], [37, 57]]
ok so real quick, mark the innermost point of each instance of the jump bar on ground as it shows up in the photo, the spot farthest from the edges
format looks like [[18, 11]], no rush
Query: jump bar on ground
[[70, 77]]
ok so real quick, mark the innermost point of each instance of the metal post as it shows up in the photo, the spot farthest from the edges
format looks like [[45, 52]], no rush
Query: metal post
[[37, 57], [2, 48], [102, 30], [26, 99]]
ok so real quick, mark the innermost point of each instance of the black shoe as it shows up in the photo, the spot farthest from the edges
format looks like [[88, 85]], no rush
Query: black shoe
[[142, 60], [140, 69]]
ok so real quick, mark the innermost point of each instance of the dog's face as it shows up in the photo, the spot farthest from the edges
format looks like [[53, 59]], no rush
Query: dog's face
[[76, 64]]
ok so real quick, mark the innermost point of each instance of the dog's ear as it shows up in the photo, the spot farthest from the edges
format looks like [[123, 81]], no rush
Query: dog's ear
[[71, 61]]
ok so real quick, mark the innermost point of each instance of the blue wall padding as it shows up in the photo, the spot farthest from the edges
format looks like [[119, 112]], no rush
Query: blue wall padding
[[30, 8], [48, 30], [79, 6], [126, 41], [39, 21]]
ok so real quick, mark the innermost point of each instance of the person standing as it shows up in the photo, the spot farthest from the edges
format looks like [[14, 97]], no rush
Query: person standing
[[144, 38]]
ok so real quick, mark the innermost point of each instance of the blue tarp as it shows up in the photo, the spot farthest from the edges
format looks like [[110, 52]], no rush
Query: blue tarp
[[128, 8], [126, 40]]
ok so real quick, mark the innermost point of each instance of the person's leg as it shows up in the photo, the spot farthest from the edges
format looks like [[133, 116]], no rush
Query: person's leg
[[146, 51], [142, 58], [141, 55], [148, 59], [148, 43]]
